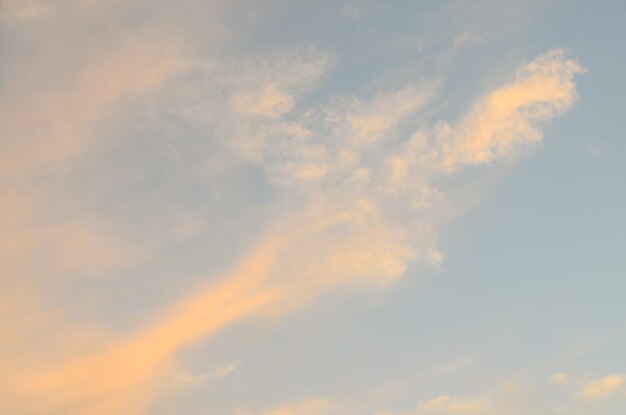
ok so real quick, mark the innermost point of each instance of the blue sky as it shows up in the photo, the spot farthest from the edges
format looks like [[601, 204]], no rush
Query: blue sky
[[312, 208]]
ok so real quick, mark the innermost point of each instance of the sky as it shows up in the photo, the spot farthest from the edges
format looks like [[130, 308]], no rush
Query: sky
[[350, 207]]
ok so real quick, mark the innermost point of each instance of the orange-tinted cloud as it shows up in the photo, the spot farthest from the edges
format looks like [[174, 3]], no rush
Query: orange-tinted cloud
[[603, 388], [507, 118]]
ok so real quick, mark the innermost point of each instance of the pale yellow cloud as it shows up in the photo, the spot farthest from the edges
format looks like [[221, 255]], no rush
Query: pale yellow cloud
[[186, 380], [85, 249], [506, 118], [125, 373], [245, 100], [16, 12], [269, 102], [26, 11], [51, 108], [35, 247], [560, 379], [363, 123], [60, 123], [348, 192], [447, 405], [123, 376], [603, 388], [308, 407], [466, 39]]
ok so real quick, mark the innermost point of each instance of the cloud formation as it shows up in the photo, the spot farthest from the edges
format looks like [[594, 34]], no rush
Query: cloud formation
[[506, 118], [188, 379], [603, 388], [447, 405], [560, 379], [307, 407], [358, 184]]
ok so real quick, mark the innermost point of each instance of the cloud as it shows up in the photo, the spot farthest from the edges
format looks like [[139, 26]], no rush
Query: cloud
[[465, 39], [560, 379], [269, 90], [125, 373], [367, 122], [308, 407], [354, 177], [268, 102], [51, 112], [190, 379], [505, 119], [603, 388], [59, 124], [447, 405], [356, 182], [25, 11]]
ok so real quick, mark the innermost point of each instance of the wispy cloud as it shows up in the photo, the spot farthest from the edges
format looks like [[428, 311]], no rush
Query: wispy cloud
[[357, 183], [25, 11], [194, 379], [307, 407], [560, 379], [603, 388], [59, 124], [446, 404], [506, 119], [465, 39]]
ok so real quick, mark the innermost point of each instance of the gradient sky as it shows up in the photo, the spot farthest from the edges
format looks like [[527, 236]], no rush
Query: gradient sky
[[354, 207]]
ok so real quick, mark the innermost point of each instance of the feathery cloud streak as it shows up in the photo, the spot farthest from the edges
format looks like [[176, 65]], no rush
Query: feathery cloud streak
[[359, 184]]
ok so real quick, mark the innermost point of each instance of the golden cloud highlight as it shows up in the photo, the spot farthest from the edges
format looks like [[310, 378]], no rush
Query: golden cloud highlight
[[356, 182], [603, 388], [506, 118]]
